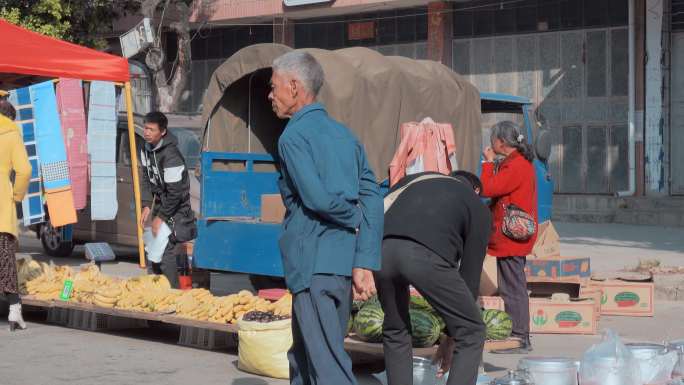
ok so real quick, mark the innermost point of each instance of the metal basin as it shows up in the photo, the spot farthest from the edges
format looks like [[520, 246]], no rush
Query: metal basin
[[678, 346], [550, 370]]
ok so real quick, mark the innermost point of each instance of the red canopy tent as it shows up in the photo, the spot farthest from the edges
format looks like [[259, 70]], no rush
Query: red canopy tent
[[28, 57], [28, 53]]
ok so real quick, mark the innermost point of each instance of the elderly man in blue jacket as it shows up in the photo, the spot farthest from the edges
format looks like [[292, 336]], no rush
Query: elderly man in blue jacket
[[332, 231]]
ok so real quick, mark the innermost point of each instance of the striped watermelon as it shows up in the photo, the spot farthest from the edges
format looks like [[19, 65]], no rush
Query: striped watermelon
[[368, 323], [357, 305], [350, 323], [421, 303], [499, 324], [425, 328]]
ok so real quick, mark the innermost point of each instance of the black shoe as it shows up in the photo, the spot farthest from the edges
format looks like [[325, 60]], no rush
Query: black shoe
[[524, 348]]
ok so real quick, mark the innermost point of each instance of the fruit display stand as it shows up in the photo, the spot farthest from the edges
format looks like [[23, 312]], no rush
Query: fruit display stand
[[213, 335]]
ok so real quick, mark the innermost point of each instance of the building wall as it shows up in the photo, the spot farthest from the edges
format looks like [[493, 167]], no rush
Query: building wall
[[211, 46], [572, 61], [676, 97], [402, 32], [569, 56]]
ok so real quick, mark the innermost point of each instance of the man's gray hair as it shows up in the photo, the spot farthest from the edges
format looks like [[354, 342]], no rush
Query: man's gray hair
[[304, 67]]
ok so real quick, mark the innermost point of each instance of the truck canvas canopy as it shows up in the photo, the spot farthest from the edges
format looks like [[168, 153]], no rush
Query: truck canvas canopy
[[370, 93]]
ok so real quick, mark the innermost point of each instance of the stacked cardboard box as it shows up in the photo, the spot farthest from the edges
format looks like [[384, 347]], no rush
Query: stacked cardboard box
[[624, 298], [548, 316], [548, 272]]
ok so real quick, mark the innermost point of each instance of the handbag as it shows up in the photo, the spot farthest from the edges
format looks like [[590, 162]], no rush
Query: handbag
[[517, 224]]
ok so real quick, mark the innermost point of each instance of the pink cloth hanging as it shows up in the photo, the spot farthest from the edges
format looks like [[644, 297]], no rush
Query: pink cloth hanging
[[72, 114], [425, 146]]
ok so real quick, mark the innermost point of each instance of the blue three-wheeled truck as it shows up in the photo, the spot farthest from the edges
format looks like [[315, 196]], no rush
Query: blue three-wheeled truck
[[371, 94]]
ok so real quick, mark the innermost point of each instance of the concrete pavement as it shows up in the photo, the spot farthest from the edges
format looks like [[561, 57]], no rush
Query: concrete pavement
[[52, 355]]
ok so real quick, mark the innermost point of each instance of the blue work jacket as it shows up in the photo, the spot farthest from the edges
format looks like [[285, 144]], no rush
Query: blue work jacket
[[334, 215]]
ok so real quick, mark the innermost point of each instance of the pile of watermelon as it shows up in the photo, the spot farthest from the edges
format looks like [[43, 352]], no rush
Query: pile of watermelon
[[499, 324], [426, 325]]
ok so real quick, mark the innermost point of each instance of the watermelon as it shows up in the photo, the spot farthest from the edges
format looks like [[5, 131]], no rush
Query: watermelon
[[368, 323], [425, 328], [421, 303], [357, 305], [499, 324], [350, 324]]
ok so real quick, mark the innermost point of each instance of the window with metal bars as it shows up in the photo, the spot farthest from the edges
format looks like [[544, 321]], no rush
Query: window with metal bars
[[677, 15], [498, 17], [394, 29], [577, 80]]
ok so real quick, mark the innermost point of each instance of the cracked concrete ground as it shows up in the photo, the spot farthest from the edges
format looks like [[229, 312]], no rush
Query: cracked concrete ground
[[53, 355]]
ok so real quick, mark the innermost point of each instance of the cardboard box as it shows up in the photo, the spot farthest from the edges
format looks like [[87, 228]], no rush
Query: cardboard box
[[559, 268], [547, 244], [573, 317], [489, 284], [595, 294], [488, 302], [626, 298], [545, 288], [272, 208]]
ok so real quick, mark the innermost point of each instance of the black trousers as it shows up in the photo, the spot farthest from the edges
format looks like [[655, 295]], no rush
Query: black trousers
[[172, 257], [513, 289], [405, 263]]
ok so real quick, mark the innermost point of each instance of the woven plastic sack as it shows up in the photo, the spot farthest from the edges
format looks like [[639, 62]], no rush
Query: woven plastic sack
[[263, 347]]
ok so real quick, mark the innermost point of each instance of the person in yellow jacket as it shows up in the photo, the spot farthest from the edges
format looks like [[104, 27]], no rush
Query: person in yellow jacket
[[13, 159]]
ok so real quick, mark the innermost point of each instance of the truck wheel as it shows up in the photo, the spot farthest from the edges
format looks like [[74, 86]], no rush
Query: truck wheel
[[52, 241]]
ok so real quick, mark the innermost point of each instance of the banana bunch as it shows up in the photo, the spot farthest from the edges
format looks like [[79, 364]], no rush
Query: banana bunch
[[147, 293], [134, 301], [283, 307], [166, 303], [144, 293], [27, 270], [222, 310], [49, 284], [230, 309], [87, 281], [147, 282], [195, 304], [108, 295], [248, 302]]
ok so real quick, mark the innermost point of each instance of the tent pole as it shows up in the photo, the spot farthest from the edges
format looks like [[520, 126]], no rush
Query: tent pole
[[134, 170]]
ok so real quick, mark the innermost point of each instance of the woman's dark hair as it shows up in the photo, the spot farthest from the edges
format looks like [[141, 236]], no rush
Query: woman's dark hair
[[7, 109], [158, 118], [469, 178], [512, 136]]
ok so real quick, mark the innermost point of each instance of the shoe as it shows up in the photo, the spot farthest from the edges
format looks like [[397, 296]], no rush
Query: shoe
[[524, 348], [16, 321]]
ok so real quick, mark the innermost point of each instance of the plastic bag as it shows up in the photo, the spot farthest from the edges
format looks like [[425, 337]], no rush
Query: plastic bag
[[155, 246], [656, 368], [609, 363], [263, 347]]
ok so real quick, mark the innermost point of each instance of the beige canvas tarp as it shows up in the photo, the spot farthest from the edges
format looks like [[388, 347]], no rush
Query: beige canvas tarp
[[370, 93]]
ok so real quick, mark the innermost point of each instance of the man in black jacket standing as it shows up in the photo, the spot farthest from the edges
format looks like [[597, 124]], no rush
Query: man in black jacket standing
[[165, 177], [435, 238]]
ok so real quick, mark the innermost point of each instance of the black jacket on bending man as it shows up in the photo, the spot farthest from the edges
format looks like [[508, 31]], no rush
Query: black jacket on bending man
[[167, 184], [435, 239]]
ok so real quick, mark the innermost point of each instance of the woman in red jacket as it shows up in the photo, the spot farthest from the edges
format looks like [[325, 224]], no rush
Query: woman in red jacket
[[511, 181]]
